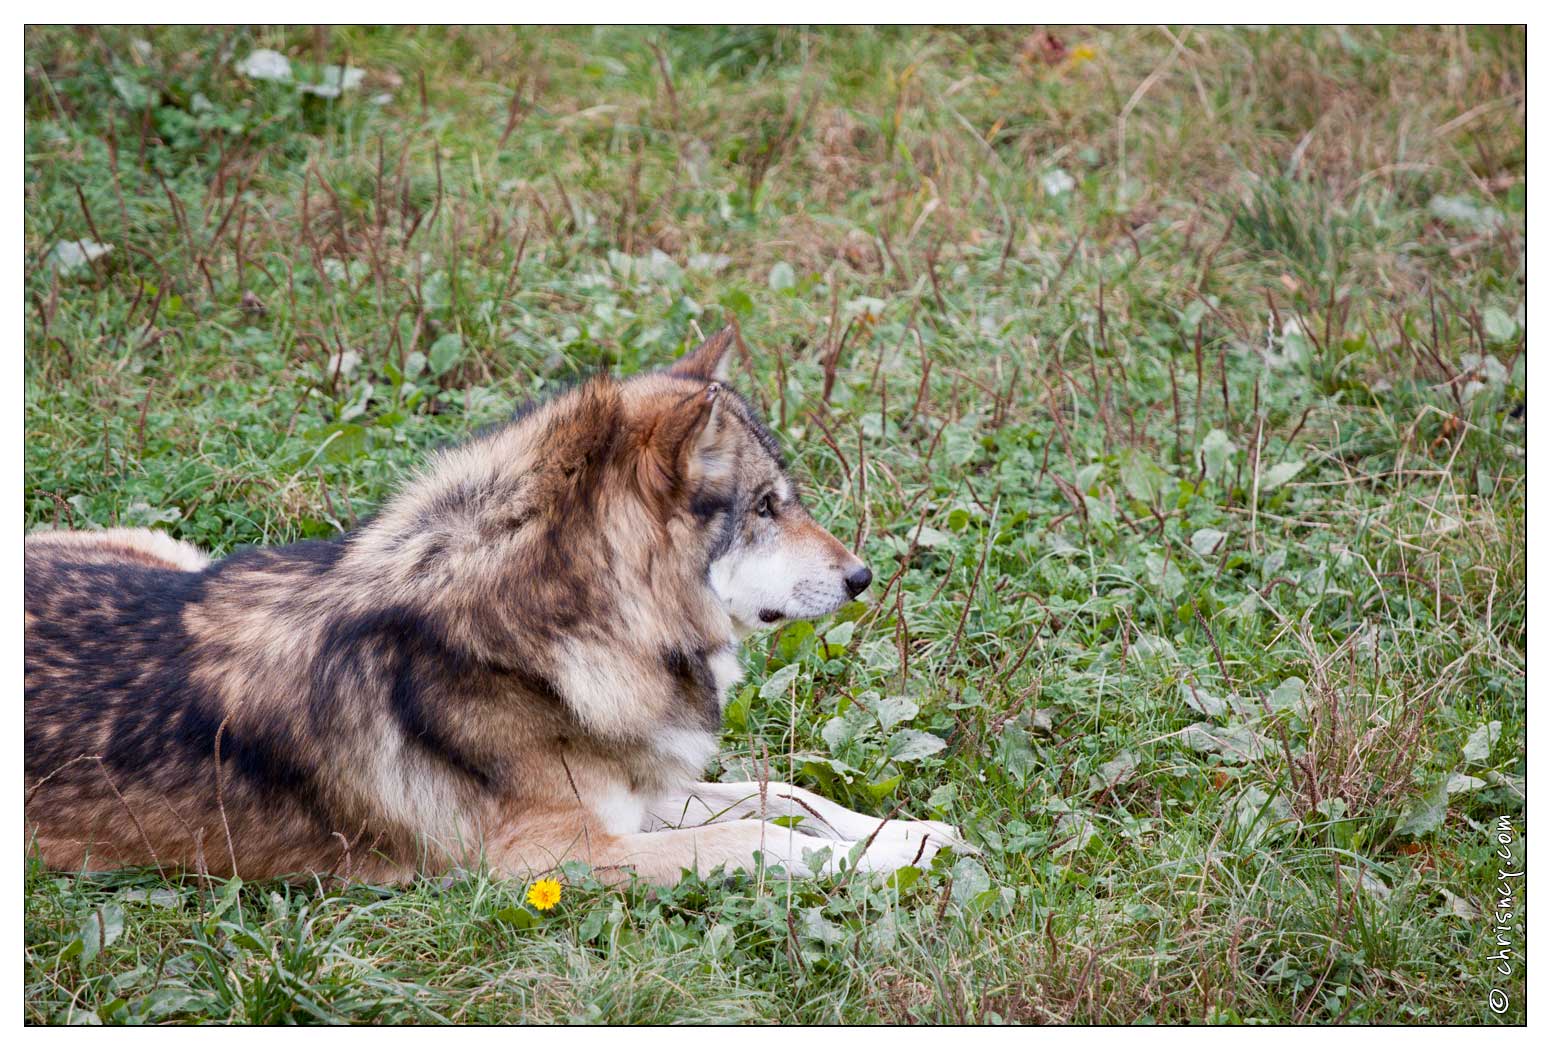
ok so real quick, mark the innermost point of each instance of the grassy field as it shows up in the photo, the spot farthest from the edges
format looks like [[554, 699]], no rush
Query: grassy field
[[1172, 382]]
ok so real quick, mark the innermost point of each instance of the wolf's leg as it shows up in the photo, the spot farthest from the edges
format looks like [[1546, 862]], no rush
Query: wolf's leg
[[662, 855], [711, 802]]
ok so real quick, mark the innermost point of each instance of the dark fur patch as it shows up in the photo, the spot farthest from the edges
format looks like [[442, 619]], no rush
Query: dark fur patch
[[398, 651], [131, 695], [691, 672], [707, 506]]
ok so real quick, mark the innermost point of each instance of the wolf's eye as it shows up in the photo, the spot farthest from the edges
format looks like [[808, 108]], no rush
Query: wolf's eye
[[766, 507]]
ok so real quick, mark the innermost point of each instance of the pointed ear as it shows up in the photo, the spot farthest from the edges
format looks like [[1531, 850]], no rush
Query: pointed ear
[[709, 361], [675, 448]]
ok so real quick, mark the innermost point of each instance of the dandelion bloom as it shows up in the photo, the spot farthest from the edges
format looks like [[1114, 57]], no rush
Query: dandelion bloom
[[544, 895], [1083, 53]]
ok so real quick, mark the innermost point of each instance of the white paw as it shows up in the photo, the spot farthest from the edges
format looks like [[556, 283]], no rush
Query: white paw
[[886, 853], [893, 852], [901, 843], [937, 834], [895, 845]]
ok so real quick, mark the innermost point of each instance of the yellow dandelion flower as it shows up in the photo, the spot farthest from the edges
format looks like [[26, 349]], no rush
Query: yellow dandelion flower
[[1082, 53], [544, 895]]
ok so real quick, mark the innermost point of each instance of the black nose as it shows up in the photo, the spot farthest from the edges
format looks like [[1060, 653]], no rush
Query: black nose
[[857, 582]]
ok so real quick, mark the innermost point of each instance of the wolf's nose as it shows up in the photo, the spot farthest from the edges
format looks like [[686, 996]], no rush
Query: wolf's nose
[[857, 582]]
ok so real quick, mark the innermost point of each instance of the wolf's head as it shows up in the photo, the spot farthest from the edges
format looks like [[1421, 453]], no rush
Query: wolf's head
[[618, 507], [766, 559]]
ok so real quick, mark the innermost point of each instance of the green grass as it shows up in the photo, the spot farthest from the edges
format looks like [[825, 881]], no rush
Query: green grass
[[1173, 385]]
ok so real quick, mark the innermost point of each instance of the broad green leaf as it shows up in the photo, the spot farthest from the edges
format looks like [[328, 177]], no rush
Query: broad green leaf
[[736, 714], [100, 928], [1458, 906], [838, 732], [1427, 813], [165, 897], [1203, 701], [341, 442], [136, 96], [1143, 479], [825, 766], [519, 917], [883, 930], [228, 896], [914, 744], [1236, 744], [1118, 770], [1164, 574], [813, 861], [1204, 541], [1073, 832], [1241, 744], [1500, 327], [1501, 780], [1086, 476], [1289, 695], [970, 880], [1332, 807], [816, 927], [1258, 813], [839, 636], [1373, 885], [1280, 475], [1153, 647], [928, 537], [738, 302], [879, 789], [1214, 452], [445, 352], [891, 711], [782, 277], [1464, 783], [879, 654], [1482, 741], [903, 878], [942, 797], [1462, 210], [776, 685]]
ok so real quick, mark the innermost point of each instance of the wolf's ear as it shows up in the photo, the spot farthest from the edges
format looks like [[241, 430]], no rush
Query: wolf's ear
[[679, 447], [709, 361]]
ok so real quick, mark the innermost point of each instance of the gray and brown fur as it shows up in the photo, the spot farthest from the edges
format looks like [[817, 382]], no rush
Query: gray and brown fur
[[524, 630]]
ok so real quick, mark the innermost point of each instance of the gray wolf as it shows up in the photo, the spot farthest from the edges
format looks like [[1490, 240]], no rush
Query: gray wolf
[[522, 659]]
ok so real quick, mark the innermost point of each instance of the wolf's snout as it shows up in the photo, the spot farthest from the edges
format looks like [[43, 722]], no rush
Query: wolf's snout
[[857, 582]]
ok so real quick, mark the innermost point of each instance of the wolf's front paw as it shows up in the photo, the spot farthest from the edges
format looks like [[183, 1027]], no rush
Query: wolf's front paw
[[944, 835], [934, 834], [895, 852], [901, 843]]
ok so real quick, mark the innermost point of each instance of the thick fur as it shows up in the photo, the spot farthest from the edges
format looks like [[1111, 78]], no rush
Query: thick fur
[[523, 659]]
